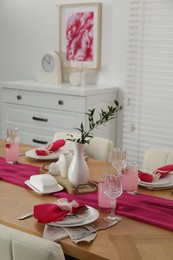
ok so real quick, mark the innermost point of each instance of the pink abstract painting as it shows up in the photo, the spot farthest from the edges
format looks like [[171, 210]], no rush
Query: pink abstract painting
[[80, 36]]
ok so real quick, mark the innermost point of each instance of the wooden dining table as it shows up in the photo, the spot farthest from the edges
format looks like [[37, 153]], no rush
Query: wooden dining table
[[128, 240]]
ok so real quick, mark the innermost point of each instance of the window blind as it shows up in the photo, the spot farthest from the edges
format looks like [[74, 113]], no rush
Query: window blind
[[148, 113]]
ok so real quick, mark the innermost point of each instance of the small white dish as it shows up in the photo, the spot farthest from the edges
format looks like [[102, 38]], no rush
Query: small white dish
[[92, 215], [32, 154], [43, 184]]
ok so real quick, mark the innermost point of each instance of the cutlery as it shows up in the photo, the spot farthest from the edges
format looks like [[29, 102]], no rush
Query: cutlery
[[26, 215], [108, 225]]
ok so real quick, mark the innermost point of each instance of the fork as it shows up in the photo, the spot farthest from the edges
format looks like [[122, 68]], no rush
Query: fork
[[105, 226]]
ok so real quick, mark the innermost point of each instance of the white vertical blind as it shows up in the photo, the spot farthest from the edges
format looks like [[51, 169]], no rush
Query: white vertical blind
[[148, 116]]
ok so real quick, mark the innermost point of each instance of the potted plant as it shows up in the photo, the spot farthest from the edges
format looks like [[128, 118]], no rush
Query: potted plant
[[78, 171]]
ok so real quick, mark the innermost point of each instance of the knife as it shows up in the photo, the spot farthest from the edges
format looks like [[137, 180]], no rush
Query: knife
[[26, 215]]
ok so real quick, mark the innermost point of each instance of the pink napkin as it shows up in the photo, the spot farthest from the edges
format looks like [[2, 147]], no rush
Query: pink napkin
[[51, 148], [51, 212], [160, 173]]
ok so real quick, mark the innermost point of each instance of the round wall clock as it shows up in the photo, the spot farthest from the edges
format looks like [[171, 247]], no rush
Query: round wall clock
[[50, 71]]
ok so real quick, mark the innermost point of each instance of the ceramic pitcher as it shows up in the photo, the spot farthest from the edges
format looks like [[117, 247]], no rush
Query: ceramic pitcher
[[64, 163]]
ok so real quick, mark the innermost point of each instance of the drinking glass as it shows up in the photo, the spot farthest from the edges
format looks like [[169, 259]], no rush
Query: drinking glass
[[113, 189], [12, 145], [119, 159], [103, 200], [130, 178]]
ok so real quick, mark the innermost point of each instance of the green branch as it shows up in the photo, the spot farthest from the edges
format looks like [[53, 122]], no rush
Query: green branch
[[104, 117]]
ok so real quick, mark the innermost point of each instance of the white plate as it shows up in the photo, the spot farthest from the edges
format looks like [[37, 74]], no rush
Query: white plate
[[71, 220], [92, 215], [162, 182], [52, 156], [42, 193]]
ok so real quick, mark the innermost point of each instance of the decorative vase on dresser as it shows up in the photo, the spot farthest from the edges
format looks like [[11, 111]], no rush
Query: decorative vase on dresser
[[41, 109]]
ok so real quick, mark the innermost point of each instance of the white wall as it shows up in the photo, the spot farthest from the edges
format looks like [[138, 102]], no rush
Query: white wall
[[29, 29]]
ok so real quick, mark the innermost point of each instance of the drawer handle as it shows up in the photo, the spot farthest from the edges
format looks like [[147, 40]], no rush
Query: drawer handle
[[40, 119], [60, 102], [19, 97], [39, 142]]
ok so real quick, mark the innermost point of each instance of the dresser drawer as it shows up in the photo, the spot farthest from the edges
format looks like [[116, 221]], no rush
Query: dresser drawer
[[31, 137], [42, 119], [46, 100]]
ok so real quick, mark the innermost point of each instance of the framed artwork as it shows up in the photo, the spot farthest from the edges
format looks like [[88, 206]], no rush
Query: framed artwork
[[80, 35]]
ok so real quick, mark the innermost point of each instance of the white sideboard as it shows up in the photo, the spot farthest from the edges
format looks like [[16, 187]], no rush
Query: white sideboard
[[39, 110]]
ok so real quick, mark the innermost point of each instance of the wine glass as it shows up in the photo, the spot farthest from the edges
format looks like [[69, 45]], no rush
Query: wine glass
[[119, 159], [112, 189]]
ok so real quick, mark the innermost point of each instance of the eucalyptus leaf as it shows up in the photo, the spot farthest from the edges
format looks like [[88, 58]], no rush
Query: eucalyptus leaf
[[104, 117]]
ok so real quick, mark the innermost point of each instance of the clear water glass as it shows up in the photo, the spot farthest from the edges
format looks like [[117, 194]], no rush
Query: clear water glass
[[113, 189], [119, 157]]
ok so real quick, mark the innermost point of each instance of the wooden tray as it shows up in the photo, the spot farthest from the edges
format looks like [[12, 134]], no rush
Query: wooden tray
[[85, 188], [81, 189]]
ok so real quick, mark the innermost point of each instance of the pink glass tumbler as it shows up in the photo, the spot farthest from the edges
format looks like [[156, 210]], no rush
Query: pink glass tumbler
[[12, 146], [130, 178]]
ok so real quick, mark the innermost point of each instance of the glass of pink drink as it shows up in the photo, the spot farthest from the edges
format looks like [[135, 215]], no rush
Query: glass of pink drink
[[12, 152], [12, 146], [130, 178]]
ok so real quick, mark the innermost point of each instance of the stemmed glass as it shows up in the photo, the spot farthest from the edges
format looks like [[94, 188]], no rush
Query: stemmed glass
[[119, 157], [112, 189]]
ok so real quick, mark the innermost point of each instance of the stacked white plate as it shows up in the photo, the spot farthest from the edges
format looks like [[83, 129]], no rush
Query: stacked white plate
[[32, 154], [163, 183], [87, 217]]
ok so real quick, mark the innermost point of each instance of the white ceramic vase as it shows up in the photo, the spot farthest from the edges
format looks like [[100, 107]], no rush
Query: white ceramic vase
[[78, 172], [76, 78]]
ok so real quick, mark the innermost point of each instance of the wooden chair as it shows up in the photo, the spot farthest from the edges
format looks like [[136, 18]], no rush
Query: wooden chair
[[99, 148], [17, 245]]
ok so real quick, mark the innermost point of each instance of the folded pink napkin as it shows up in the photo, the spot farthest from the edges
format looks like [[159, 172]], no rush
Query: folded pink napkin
[[52, 212], [158, 173], [50, 148], [146, 177]]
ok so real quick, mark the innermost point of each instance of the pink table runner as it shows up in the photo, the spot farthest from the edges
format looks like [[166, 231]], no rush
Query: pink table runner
[[146, 208], [16, 173]]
